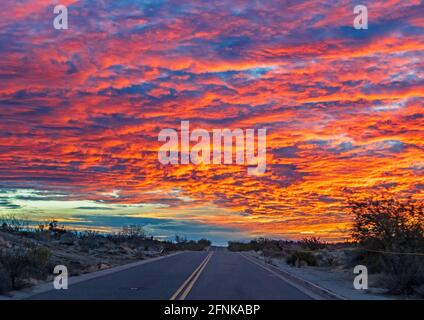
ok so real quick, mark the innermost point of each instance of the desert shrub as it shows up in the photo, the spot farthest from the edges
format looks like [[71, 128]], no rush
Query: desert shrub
[[180, 239], [133, 231], [258, 244], [312, 243], [384, 224], [204, 243], [241, 246], [52, 228], [56, 228], [238, 246], [22, 262], [115, 238], [12, 223], [193, 245], [330, 259], [132, 235], [184, 244], [403, 275], [190, 245], [90, 239], [271, 249], [169, 246], [299, 257], [372, 260], [387, 223]]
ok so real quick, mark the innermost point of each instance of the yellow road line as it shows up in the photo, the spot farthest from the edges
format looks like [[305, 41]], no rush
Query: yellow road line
[[190, 286], [204, 261]]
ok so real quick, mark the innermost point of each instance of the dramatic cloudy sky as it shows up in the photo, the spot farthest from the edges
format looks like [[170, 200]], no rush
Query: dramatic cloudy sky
[[81, 110]]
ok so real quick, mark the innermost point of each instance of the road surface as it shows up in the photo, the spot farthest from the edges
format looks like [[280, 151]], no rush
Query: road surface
[[213, 275]]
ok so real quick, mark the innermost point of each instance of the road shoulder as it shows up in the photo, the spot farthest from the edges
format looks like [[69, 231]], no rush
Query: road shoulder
[[311, 289]]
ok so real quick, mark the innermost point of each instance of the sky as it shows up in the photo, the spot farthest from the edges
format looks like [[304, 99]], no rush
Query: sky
[[82, 108]]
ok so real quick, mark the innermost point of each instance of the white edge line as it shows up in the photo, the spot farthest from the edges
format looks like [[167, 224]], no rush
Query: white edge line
[[289, 281]]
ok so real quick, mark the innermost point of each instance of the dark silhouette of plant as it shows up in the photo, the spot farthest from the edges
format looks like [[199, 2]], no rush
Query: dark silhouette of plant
[[388, 223], [21, 262], [12, 223], [298, 258], [180, 239], [312, 243], [391, 230], [133, 231], [204, 243]]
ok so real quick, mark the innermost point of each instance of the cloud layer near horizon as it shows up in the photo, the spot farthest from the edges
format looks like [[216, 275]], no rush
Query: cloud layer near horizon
[[81, 109]]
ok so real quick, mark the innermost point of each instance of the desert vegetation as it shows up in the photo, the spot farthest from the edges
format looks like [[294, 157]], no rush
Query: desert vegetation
[[387, 236], [306, 252], [390, 233], [29, 253]]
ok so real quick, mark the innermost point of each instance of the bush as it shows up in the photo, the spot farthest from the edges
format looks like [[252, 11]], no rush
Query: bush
[[330, 258], [184, 244], [259, 244], [298, 258], [372, 260], [194, 245], [204, 243], [133, 231], [238, 246], [312, 243], [90, 240], [403, 275], [11, 223], [180, 239], [384, 224], [22, 262], [132, 235], [271, 249]]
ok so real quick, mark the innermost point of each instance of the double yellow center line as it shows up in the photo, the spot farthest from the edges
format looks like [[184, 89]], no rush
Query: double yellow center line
[[185, 288]]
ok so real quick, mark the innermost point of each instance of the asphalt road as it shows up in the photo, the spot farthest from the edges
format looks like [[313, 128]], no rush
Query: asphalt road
[[214, 275]]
